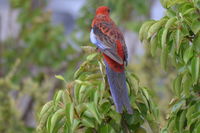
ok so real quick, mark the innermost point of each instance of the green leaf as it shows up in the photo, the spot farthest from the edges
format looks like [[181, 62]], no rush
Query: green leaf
[[46, 107], [164, 130], [179, 38], [144, 28], [154, 45], [188, 54], [197, 129], [185, 6], [195, 26], [45, 116], [170, 3], [145, 92], [177, 106], [168, 24], [69, 112], [197, 4], [164, 38], [80, 70], [187, 83], [177, 120], [170, 13], [196, 43], [164, 57], [93, 109], [91, 56], [184, 29], [171, 124], [93, 76], [177, 85], [142, 108], [188, 11], [48, 124], [87, 83], [195, 69], [106, 128], [58, 96], [88, 113], [88, 122], [66, 97], [75, 124], [77, 94], [194, 118], [96, 97], [105, 106], [58, 114], [182, 121], [190, 111], [155, 27], [58, 125], [115, 116]]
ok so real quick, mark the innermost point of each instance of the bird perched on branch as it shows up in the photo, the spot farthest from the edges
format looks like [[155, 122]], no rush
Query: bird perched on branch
[[110, 41]]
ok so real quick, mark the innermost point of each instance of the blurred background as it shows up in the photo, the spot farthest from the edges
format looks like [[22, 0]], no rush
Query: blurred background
[[41, 39]]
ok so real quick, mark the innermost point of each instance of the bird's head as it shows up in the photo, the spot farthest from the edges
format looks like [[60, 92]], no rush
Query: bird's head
[[104, 10]]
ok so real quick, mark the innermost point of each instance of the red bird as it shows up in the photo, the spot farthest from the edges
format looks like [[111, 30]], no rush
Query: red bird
[[110, 41]]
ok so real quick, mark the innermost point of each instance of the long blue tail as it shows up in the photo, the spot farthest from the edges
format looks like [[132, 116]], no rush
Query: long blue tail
[[118, 88]]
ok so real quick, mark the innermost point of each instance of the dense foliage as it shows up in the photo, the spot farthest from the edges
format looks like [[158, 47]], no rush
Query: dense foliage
[[178, 36], [86, 105]]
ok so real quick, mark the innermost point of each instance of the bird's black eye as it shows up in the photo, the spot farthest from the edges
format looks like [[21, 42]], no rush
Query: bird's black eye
[[109, 10]]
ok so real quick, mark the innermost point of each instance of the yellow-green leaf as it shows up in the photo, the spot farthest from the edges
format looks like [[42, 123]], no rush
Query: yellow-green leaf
[[60, 77]]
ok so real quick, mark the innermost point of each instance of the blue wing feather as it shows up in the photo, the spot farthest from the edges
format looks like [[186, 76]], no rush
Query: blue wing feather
[[95, 41], [111, 52]]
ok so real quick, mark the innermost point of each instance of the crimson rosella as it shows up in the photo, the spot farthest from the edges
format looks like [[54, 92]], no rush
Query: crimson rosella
[[110, 41]]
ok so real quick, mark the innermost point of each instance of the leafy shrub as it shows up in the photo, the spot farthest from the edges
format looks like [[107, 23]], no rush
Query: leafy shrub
[[86, 105], [178, 36]]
